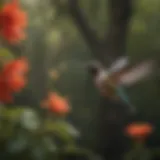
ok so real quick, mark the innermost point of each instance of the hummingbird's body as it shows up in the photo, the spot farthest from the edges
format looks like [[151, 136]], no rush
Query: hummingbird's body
[[111, 82], [112, 90]]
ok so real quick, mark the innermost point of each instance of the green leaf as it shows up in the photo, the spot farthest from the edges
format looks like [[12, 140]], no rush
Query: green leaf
[[49, 144], [63, 130], [6, 55], [11, 114], [6, 130], [18, 144], [9, 119], [72, 130], [30, 120]]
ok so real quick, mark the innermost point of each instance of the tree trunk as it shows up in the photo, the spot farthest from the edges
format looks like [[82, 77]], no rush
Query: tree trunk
[[112, 116]]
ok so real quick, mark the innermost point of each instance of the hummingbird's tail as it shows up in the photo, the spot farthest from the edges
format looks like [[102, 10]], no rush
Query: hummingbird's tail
[[124, 97]]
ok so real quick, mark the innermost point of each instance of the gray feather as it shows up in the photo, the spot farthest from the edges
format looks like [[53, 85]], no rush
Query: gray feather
[[137, 73]]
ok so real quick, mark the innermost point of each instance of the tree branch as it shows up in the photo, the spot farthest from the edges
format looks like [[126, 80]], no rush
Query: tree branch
[[82, 24], [119, 14]]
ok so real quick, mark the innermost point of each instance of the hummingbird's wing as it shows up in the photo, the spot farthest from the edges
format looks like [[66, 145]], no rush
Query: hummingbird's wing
[[131, 75], [119, 64]]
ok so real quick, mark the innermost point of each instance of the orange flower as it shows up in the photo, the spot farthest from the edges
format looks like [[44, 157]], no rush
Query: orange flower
[[14, 74], [13, 78], [139, 131], [12, 22], [56, 103]]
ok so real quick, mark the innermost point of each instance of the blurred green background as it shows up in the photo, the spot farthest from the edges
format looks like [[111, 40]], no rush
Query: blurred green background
[[58, 49]]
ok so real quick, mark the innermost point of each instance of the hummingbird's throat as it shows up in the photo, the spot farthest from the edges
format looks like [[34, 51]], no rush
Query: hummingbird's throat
[[110, 88], [111, 82]]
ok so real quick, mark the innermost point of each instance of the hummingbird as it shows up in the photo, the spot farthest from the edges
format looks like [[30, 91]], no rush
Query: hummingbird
[[111, 82]]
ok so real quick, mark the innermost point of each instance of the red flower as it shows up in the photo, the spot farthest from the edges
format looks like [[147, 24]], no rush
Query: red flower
[[12, 22], [13, 78], [139, 131], [14, 74], [56, 104]]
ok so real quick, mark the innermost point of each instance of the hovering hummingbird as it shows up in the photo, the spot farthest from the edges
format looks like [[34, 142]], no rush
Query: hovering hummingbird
[[111, 82]]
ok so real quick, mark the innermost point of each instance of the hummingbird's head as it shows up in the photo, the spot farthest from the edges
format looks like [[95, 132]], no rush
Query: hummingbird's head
[[94, 68]]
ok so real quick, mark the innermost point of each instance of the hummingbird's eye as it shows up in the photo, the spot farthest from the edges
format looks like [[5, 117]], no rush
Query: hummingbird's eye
[[93, 70]]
